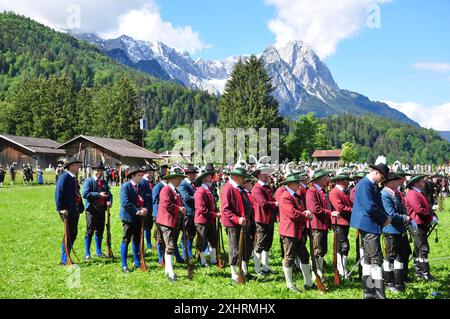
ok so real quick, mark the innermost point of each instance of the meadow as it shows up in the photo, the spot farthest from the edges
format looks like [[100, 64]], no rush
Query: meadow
[[30, 240]]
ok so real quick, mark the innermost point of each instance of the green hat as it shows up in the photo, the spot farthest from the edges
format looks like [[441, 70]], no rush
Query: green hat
[[203, 173], [415, 179], [392, 177], [294, 178], [402, 173], [340, 177], [240, 171], [359, 175], [318, 174], [174, 172]]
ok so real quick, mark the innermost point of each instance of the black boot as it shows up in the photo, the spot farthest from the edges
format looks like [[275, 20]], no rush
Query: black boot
[[425, 270], [389, 279], [379, 289], [369, 293], [417, 269], [399, 279]]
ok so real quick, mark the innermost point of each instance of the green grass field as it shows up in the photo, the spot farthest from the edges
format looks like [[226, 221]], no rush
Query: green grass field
[[31, 232]]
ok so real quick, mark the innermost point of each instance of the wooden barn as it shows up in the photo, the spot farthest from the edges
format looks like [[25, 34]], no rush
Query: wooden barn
[[29, 150], [115, 151], [327, 155]]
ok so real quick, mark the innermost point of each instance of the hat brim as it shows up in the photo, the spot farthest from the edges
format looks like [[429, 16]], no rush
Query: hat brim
[[341, 178], [134, 172], [199, 179], [415, 180], [317, 177], [74, 162], [170, 176], [378, 170], [231, 173]]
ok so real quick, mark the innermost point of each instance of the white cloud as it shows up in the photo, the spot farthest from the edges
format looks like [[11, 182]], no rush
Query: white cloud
[[140, 19], [323, 24], [433, 66], [435, 117]]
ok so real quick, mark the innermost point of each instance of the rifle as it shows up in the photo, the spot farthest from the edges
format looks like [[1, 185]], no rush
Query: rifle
[[319, 282], [189, 264], [108, 232], [219, 235], [358, 255], [337, 278], [141, 246], [66, 240], [241, 278]]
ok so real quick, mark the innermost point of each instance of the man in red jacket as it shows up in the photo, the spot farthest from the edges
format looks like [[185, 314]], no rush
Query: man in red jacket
[[341, 202], [420, 211], [266, 210], [316, 204], [205, 216], [170, 207], [293, 217], [236, 209]]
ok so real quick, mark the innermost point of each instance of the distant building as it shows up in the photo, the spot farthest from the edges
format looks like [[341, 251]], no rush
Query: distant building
[[175, 157], [114, 151], [327, 155], [29, 150]]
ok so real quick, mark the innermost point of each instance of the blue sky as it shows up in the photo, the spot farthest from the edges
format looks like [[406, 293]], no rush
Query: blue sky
[[405, 62]]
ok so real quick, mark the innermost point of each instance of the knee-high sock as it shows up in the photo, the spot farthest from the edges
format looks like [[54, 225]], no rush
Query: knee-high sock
[[87, 245], [233, 272], [257, 260], [306, 271], [98, 244], [213, 256], [265, 260], [288, 276], [202, 258], [177, 253], [123, 254], [148, 237], [135, 249], [160, 252], [169, 265], [244, 268], [63, 254]]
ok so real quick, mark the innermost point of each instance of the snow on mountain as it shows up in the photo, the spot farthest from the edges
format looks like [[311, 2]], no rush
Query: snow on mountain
[[303, 83]]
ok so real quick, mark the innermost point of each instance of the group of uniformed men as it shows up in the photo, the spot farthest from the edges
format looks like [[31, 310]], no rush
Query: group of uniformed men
[[186, 202]]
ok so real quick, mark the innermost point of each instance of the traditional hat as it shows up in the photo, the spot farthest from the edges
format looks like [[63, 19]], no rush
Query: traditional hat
[[382, 168], [359, 175], [173, 173], [318, 174], [240, 171], [342, 174], [71, 160], [149, 167], [98, 165], [294, 177], [210, 167], [191, 169], [134, 169], [414, 180], [203, 173], [392, 177], [402, 173]]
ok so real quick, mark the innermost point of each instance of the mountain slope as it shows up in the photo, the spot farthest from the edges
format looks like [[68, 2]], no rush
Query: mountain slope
[[303, 82]]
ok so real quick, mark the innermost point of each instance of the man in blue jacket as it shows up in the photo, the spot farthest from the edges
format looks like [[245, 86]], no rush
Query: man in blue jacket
[[147, 184], [187, 191], [132, 210], [68, 203], [395, 247], [98, 198], [369, 217]]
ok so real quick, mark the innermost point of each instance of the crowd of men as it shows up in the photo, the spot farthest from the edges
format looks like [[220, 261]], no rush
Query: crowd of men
[[384, 205]]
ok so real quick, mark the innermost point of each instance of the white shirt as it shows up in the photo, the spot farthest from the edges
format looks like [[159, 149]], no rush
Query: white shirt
[[340, 187], [233, 183], [370, 178], [417, 190], [317, 186], [173, 187], [70, 173], [390, 191], [205, 186], [290, 190], [303, 185], [261, 183]]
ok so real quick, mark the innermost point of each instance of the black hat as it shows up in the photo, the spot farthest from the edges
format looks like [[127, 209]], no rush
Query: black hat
[[191, 169], [71, 160], [209, 167], [165, 166], [392, 177], [134, 169], [149, 167], [98, 165], [382, 168]]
